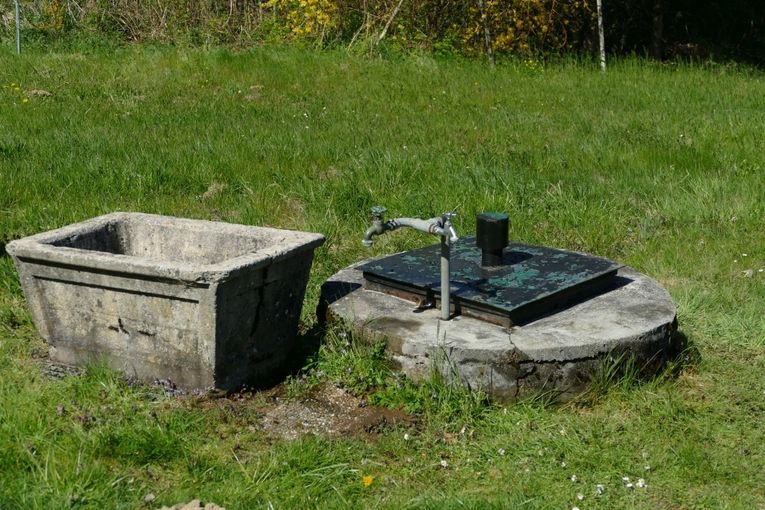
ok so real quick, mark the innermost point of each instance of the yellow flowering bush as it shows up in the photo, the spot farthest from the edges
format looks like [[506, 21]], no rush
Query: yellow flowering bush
[[306, 19], [52, 17], [528, 26]]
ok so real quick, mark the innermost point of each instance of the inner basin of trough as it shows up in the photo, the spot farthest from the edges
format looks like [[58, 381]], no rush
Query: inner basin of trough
[[531, 281], [165, 241]]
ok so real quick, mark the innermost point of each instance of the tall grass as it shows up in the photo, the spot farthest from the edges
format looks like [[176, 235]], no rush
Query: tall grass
[[657, 166]]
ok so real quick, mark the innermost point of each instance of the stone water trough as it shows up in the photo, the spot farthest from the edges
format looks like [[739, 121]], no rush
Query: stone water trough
[[204, 304]]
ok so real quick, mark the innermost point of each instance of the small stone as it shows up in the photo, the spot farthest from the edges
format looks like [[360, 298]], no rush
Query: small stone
[[501, 451], [443, 463], [563, 464], [149, 498], [625, 479], [574, 478], [580, 496], [599, 489], [406, 437], [213, 189], [37, 93], [647, 467], [630, 485], [641, 483]]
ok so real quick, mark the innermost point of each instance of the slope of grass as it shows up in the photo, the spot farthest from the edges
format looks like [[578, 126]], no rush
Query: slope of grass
[[659, 167]]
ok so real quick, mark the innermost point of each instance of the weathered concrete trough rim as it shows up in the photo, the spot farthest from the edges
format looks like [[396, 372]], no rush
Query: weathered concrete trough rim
[[38, 248]]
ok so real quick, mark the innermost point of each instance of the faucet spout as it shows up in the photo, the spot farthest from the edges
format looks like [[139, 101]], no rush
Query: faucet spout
[[377, 228], [453, 238]]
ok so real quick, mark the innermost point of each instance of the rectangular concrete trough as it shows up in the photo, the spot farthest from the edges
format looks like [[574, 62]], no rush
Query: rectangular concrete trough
[[201, 303]]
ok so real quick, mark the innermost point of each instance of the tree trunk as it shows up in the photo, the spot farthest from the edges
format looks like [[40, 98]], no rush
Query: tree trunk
[[657, 34], [390, 20], [601, 36], [486, 32]]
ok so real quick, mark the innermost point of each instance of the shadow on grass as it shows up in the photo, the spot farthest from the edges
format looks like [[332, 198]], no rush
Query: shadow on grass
[[627, 371]]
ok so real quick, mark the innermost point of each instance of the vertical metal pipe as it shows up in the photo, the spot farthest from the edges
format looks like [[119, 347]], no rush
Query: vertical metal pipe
[[445, 283], [18, 28]]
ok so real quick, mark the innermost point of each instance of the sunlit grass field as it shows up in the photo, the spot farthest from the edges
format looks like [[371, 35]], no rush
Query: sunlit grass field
[[658, 166]]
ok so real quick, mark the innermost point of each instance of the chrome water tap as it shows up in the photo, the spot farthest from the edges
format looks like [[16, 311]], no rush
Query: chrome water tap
[[441, 227]]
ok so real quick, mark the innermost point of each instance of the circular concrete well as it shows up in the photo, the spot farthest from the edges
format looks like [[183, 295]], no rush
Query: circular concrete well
[[558, 354]]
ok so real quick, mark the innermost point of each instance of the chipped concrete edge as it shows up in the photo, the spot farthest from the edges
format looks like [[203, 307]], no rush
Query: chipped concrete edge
[[559, 352]]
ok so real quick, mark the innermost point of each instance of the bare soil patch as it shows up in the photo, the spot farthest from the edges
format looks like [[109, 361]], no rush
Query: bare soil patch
[[329, 411]]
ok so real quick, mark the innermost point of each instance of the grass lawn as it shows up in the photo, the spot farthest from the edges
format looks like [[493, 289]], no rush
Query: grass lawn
[[660, 167]]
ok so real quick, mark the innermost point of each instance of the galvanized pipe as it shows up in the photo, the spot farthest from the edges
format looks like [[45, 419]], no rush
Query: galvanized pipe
[[429, 226], [441, 227], [445, 280]]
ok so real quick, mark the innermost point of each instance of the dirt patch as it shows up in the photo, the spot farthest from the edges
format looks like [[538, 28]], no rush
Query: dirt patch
[[193, 505], [328, 411]]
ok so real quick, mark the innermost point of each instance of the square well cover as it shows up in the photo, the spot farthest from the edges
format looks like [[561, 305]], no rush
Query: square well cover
[[532, 281]]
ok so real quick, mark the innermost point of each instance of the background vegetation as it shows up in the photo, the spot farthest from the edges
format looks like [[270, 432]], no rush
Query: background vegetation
[[671, 29], [658, 166]]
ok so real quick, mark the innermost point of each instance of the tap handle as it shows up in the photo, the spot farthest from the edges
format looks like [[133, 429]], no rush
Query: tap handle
[[448, 216], [378, 212]]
